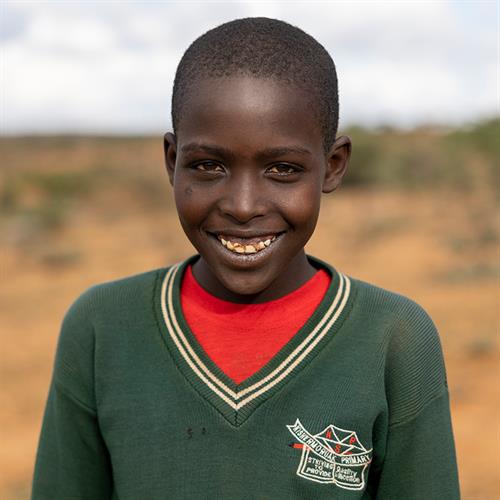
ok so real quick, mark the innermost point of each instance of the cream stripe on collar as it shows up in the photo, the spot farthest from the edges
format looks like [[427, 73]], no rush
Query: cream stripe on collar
[[303, 355], [174, 337], [286, 366]]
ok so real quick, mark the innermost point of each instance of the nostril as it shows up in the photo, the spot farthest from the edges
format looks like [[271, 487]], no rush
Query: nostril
[[242, 217], [242, 210]]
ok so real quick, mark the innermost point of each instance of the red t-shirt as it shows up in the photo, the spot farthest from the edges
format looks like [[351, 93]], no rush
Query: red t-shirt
[[241, 338]]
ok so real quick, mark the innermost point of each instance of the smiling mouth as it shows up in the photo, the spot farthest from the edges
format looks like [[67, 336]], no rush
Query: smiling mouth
[[246, 245]]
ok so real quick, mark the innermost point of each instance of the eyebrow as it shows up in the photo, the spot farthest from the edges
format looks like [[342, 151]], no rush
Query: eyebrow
[[224, 152], [194, 147], [282, 151]]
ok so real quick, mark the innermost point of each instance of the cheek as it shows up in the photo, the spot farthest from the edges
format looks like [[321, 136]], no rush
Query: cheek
[[301, 207], [195, 207], [184, 201]]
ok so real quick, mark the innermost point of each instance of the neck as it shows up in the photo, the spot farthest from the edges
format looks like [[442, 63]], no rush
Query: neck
[[297, 272]]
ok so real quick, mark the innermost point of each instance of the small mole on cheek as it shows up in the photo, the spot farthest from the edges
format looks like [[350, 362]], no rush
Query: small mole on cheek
[[188, 191]]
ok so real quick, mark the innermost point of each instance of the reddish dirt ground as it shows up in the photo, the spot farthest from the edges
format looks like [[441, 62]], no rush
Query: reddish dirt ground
[[427, 246]]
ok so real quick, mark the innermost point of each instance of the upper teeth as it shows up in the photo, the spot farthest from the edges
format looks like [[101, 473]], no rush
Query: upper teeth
[[255, 247]]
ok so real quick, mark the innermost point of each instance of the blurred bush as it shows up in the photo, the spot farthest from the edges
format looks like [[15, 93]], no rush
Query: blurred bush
[[44, 178], [460, 159]]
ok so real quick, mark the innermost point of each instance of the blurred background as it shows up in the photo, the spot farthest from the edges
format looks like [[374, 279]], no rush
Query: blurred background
[[84, 197]]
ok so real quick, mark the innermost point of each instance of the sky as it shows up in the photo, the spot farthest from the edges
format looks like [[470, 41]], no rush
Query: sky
[[107, 67]]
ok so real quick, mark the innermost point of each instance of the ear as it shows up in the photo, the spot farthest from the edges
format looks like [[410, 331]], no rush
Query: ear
[[170, 150], [336, 163]]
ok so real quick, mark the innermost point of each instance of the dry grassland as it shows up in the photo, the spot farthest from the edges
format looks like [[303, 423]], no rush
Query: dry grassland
[[438, 247]]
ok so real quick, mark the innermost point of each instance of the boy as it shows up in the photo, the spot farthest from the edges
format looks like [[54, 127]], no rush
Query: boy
[[251, 370]]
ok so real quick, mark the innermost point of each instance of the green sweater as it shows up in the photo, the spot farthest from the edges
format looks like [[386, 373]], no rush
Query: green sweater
[[354, 406]]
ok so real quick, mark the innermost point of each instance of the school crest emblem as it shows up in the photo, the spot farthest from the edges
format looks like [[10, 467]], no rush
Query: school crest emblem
[[334, 456]]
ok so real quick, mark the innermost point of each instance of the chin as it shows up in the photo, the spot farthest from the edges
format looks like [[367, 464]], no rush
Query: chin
[[245, 285]]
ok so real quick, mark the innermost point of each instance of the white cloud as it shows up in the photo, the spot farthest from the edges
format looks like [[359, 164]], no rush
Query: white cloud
[[108, 66]]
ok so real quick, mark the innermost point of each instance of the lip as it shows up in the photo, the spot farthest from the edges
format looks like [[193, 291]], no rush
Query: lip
[[244, 235]]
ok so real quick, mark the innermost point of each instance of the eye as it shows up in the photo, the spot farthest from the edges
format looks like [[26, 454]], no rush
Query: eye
[[283, 169], [208, 166]]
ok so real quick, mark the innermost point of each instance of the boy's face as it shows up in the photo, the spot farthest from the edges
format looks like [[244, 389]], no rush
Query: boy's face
[[248, 168]]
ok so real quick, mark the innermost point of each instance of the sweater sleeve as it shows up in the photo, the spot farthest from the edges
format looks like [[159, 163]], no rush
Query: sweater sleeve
[[420, 457], [72, 459]]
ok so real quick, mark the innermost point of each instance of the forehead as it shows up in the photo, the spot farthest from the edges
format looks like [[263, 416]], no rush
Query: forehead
[[249, 110]]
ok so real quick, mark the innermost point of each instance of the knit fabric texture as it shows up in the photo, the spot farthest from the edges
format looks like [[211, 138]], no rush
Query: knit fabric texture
[[354, 406]]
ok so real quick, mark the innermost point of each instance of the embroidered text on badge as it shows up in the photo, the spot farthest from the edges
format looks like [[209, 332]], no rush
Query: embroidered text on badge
[[333, 456]]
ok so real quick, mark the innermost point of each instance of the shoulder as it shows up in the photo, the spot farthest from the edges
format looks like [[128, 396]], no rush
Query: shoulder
[[114, 296], [119, 290], [414, 371], [376, 300], [99, 311], [390, 317], [107, 305], [380, 306], [398, 317]]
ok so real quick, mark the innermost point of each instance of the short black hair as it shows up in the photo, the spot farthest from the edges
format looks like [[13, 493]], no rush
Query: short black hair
[[263, 48]]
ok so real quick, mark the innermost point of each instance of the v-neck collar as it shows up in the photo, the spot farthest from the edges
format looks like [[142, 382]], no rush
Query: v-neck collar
[[236, 402]]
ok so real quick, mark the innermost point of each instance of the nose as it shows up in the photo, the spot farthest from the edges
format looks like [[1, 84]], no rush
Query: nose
[[244, 198]]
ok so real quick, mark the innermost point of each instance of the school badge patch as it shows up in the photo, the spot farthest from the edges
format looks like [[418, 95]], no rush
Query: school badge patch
[[334, 456]]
